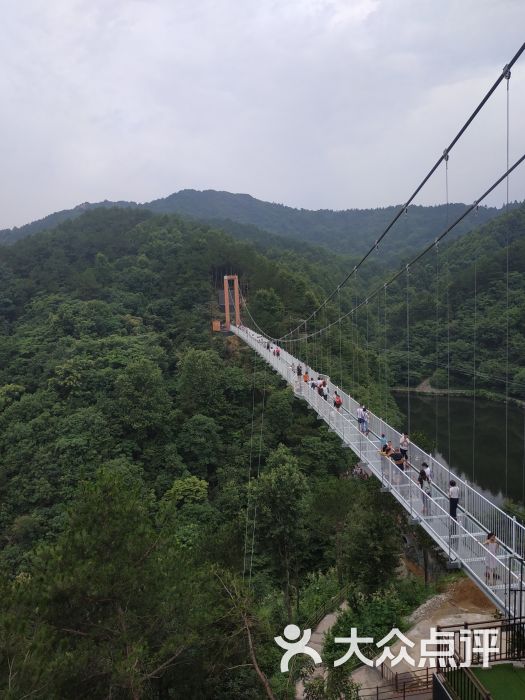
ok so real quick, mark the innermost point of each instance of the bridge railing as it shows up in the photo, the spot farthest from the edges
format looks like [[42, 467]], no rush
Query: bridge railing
[[463, 539], [490, 516]]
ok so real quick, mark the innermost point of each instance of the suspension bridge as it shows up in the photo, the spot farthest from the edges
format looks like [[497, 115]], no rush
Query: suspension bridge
[[501, 573], [461, 540]]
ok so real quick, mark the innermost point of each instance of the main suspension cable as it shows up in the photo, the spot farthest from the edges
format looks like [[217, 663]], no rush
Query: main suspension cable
[[420, 255], [418, 189]]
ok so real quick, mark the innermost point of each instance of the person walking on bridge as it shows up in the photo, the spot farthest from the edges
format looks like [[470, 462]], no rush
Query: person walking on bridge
[[398, 458], [453, 495], [387, 448], [428, 471], [423, 481], [366, 418], [491, 561], [404, 442], [360, 418]]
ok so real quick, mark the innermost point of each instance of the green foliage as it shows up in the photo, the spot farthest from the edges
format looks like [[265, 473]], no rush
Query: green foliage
[[423, 441], [198, 442], [138, 462], [343, 231], [370, 541], [318, 591], [82, 622], [281, 494], [278, 414], [460, 312]]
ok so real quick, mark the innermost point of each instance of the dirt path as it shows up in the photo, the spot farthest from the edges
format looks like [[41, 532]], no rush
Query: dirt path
[[461, 602]]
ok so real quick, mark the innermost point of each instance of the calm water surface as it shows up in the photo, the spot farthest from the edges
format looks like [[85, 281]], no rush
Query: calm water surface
[[474, 449]]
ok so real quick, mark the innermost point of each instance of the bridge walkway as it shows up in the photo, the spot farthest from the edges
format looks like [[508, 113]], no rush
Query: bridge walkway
[[462, 539]]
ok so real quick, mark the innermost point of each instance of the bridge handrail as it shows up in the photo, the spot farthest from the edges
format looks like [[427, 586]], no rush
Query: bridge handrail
[[284, 365], [508, 530]]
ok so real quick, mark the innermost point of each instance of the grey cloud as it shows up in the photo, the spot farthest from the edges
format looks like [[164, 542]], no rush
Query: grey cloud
[[315, 103]]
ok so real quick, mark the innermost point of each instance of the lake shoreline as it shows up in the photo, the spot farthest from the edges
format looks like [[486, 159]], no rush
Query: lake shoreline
[[425, 389]]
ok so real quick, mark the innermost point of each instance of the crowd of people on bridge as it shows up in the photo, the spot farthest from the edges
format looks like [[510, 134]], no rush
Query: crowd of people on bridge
[[397, 454]]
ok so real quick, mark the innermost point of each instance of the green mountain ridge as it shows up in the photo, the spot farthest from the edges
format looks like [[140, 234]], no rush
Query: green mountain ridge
[[137, 448], [348, 231]]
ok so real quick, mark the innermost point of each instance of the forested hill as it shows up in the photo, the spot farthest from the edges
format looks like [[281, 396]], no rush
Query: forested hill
[[350, 231], [167, 506], [463, 302], [134, 447]]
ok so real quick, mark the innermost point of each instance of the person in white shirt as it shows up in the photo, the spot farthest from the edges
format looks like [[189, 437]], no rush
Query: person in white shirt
[[491, 560], [453, 495], [360, 418], [404, 442]]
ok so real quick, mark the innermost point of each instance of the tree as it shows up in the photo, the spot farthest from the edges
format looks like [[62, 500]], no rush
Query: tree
[[100, 612], [200, 382], [281, 496], [199, 444], [142, 399], [244, 622], [278, 414], [371, 541], [267, 310]]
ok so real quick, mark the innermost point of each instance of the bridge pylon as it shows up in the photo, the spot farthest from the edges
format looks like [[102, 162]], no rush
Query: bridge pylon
[[235, 279]]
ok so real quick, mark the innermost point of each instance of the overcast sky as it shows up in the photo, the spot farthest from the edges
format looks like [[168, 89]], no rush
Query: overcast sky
[[312, 103]]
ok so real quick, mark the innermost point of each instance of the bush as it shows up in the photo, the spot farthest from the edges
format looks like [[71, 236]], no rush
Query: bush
[[318, 591]]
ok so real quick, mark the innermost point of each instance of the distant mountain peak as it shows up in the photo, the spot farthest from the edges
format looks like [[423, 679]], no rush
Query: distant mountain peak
[[345, 231]]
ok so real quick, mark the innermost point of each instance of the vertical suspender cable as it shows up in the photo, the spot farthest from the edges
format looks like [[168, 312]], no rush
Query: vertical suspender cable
[[408, 348], [248, 504], [523, 462], [447, 287], [314, 344], [306, 357], [377, 346], [507, 78], [367, 365], [340, 343], [328, 344], [258, 472], [386, 357], [474, 387], [357, 343], [436, 406], [354, 350]]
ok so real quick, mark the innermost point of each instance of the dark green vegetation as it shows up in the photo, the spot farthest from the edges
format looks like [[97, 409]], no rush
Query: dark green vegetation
[[135, 451], [461, 313], [351, 231], [137, 448]]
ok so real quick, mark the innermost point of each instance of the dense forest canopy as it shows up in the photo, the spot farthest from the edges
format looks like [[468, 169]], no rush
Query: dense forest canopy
[[134, 448], [466, 303], [137, 447]]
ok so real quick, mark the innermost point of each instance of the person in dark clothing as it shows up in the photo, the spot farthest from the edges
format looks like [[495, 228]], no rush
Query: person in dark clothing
[[398, 458], [453, 494], [387, 448], [424, 483]]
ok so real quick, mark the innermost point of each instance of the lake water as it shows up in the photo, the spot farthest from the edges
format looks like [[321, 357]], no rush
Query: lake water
[[475, 454]]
